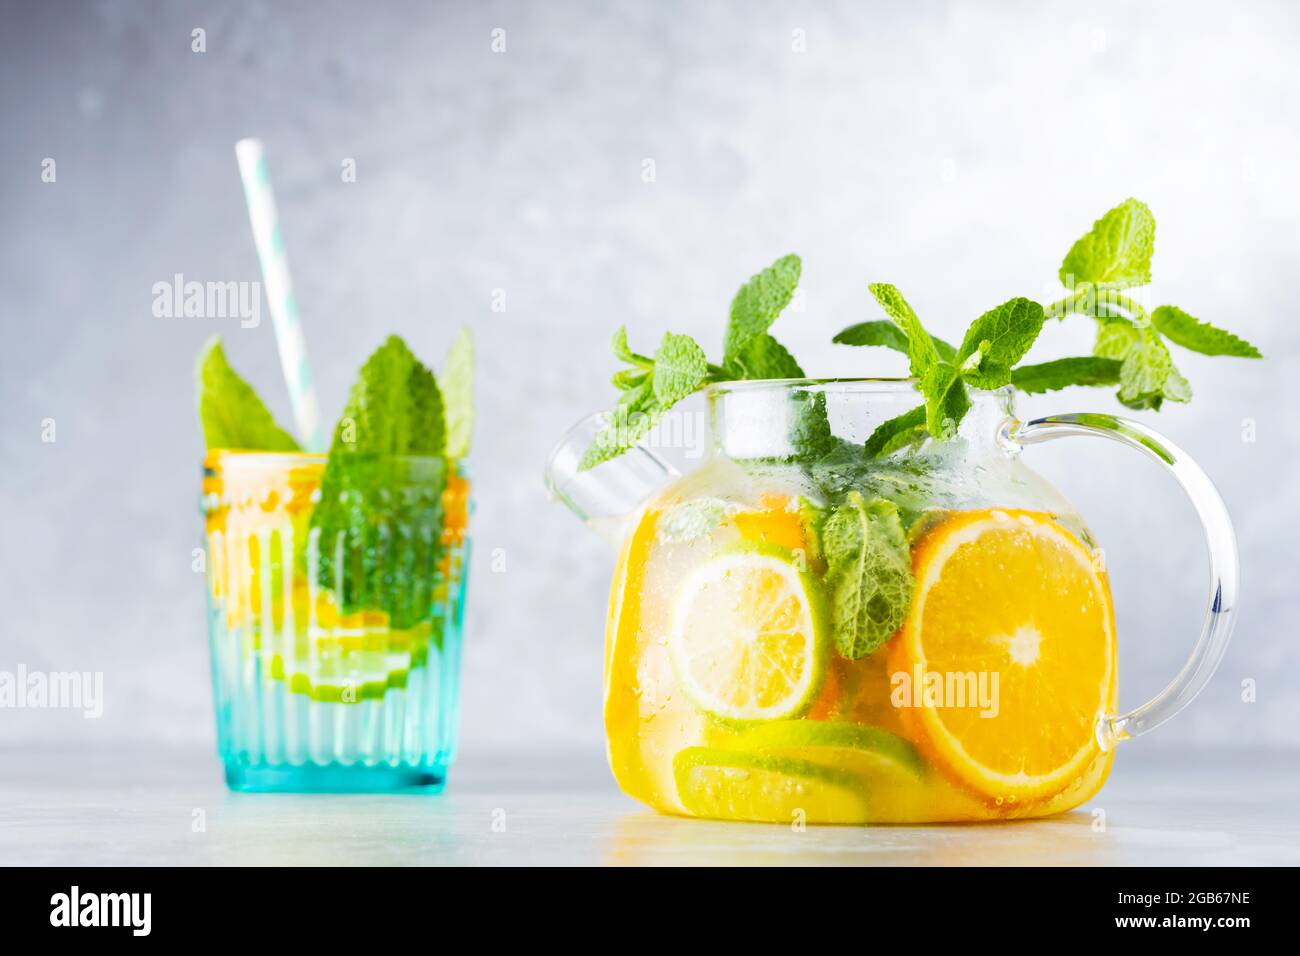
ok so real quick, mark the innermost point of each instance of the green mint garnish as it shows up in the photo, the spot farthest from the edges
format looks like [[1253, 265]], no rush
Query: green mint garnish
[[648, 389], [1147, 376], [922, 354], [680, 368], [1182, 329], [231, 413], [651, 385], [457, 386], [1062, 373], [889, 335], [379, 520], [902, 431], [810, 433], [1131, 349], [1116, 252], [868, 573], [764, 357], [748, 349], [994, 342], [1000, 338], [936, 377]]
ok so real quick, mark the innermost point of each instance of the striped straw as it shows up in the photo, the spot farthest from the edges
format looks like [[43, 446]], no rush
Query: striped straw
[[279, 291]]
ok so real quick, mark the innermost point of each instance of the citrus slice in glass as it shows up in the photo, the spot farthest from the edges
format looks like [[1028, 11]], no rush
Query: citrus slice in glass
[[866, 751], [747, 637], [1016, 601], [736, 785]]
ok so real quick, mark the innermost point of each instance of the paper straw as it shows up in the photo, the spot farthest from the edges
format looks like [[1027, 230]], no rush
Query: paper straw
[[279, 291]]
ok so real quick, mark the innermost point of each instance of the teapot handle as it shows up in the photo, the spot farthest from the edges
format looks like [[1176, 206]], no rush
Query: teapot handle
[[1220, 614], [610, 491]]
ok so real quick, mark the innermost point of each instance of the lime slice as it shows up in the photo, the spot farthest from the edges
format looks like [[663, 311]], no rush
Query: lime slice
[[748, 637], [734, 785], [865, 751], [354, 665]]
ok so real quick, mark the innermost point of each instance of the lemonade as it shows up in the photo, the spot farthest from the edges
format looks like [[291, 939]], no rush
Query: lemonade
[[336, 581], [733, 689]]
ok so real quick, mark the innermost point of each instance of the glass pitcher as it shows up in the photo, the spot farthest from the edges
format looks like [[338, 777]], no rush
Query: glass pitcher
[[810, 628]]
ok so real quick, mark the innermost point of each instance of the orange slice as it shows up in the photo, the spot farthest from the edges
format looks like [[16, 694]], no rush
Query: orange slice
[[1014, 600]]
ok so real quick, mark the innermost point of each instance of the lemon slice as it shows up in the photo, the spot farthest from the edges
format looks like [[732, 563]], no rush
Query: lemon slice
[[748, 639], [735, 785]]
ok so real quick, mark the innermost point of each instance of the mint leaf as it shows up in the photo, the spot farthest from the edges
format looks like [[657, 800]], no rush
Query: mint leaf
[[1147, 374], [427, 435], [899, 432], [935, 376], [946, 401], [377, 527], [680, 367], [952, 409], [457, 386], [1191, 333], [757, 304], [394, 408], [810, 433], [1000, 337], [1116, 252], [1115, 339], [868, 573], [889, 335], [922, 354], [1062, 373], [230, 412], [763, 357], [629, 422], [649, 388], [625, 354], [878, 332]]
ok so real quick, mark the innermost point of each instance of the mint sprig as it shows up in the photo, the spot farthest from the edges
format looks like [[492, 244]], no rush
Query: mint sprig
[[1116, 254], [651, 385], [1131, 349], [993, 344], [1099, 269]]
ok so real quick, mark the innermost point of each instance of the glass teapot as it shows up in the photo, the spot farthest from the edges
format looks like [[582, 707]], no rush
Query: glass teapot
[[811, 626]]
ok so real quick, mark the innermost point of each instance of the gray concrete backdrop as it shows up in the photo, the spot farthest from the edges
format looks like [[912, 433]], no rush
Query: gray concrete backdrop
[[955, 149]]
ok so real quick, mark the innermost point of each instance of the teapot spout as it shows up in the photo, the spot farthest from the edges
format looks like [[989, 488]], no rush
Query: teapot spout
[[606, 496]]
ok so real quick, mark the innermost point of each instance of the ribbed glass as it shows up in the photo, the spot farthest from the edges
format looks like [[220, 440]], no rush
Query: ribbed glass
[[335, 643]]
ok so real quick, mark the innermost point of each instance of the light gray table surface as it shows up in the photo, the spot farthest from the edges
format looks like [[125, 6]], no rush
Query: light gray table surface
[[168, 806]]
